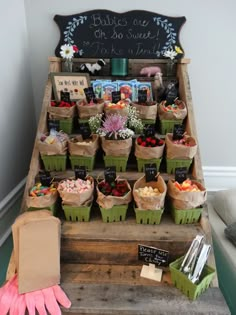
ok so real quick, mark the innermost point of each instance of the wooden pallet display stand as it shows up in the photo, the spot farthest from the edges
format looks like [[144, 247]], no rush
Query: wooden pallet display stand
[[99, 265]]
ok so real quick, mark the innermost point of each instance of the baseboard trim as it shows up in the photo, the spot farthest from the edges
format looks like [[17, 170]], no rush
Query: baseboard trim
[[9, 209], [219, 177]]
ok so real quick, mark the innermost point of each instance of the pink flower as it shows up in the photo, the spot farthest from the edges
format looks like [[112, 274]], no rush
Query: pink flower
[[75, 48], [114, 123]]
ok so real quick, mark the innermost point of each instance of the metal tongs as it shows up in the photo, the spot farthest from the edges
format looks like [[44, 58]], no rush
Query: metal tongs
[[195, 258]]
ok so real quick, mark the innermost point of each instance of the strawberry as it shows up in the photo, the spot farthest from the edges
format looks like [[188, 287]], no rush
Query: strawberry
[[143, 144], [153, 141]]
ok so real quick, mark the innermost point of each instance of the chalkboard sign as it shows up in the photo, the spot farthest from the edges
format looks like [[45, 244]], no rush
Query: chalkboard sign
[[181, 174], [132, 34], [110, 174], [85, 130], [153, 255], [150, 172], [178, 132], [65, 96], [54, 124], [45, 178], [80, 172], [171, 92], [149, 130], [142, 96], [116, 96], [89, 93]]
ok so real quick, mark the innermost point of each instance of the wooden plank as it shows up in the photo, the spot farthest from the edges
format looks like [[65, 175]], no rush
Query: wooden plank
[[117, 243], [111, 274], [121, 299]]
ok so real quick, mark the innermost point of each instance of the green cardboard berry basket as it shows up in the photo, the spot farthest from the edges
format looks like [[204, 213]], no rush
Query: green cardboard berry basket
[[80, 214], [181, 281], [54, 162], [66, 125], [148, 121], [172, 164], [167, 126], [87, 161], [52, 208], [142, 162], [120, 162], [114, 214], [148, 216], [189, 216]]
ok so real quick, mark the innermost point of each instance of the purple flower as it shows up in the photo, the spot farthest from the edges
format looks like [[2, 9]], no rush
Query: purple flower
[[113, 123]]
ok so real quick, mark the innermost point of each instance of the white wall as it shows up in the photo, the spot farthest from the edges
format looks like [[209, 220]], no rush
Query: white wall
[[17, 116], [208, 38]]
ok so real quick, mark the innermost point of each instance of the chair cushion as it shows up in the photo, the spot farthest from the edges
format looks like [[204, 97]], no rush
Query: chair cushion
[[224, 203], [230, 233]]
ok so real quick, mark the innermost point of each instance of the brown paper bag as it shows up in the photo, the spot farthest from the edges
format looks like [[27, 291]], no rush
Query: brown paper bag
[[148, 152], [181, 113], [117, 147], [108, 202], [179, 151], [152, 202], [61, 112], [186, 199], [42, 201], [82, 147], [56, 148], [120, 111], [76, 199], [37, 265], [86, 111], [148, 111]]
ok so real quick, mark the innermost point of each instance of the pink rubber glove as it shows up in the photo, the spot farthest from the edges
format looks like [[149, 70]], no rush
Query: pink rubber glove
[[8, 295]]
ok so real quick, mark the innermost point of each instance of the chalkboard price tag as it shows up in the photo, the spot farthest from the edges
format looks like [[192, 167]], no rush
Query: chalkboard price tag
[[54, 124], [110, 174], [150, 172], [116, 96], [85, 130], [153, 255], [80, 172], [178, 132], [45, 178], [65, 96], [149, 130], [142, 96], [172, 92], [181, 174], [89, 93]]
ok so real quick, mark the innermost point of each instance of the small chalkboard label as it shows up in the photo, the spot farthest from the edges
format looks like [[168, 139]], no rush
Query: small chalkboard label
[[89, 93], [110, 174], [149, 130], [181, 174], [116, 96], [150, 172], [142, 96], [172, 92], [178, 132], [85, 130], [54, 124], [65, 96], [80, 172], [45, 178], [153, 255]]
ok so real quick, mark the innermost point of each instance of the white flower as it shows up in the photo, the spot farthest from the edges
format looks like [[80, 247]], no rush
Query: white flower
[[170, 54], [67, 51]]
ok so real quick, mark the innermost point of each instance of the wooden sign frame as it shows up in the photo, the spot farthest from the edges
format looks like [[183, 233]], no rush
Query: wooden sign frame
[[74, 83]]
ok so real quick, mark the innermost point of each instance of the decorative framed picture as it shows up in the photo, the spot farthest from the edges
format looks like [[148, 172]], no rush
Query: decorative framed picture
[[74, 83]]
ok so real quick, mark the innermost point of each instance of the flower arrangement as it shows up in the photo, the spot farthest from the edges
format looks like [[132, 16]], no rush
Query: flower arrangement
[[95, 122], [114, 128], [133, 120], [171, 54], [68, 51]]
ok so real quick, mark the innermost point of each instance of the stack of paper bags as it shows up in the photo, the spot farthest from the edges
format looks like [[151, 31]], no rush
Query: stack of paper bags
[[36, 253]]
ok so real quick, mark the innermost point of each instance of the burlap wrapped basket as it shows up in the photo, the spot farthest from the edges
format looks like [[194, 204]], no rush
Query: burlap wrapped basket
[[180, 113], [150, 203], [147, 111], [179, 151], [85, 110], [88, 147], [116, 147]]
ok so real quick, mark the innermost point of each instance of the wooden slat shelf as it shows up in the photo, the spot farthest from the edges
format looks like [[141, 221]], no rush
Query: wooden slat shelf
[[99, 264]]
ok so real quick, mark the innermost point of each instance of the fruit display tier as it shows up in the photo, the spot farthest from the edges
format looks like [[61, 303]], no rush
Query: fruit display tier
[[100, 269]]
